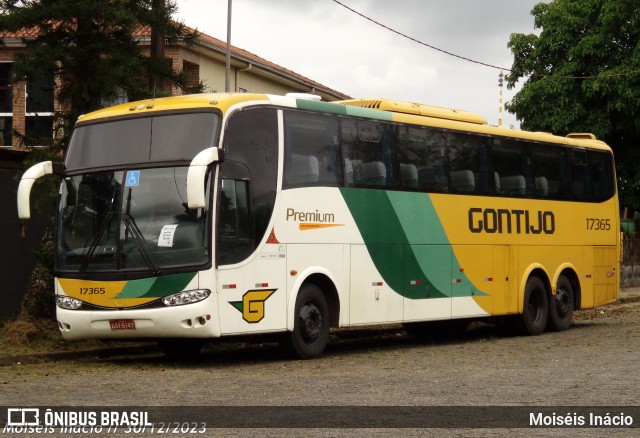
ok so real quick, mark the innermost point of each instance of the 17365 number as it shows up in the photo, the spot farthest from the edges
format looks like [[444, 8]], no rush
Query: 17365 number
[[596, 224]]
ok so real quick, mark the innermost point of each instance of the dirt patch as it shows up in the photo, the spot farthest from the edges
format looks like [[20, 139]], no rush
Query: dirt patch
[[594, 363]]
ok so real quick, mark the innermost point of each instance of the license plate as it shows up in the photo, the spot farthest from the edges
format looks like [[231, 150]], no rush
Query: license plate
[[122, 324]]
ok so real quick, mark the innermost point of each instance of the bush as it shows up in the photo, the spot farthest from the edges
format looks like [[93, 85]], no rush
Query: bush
[[21, 331], [39, 300]]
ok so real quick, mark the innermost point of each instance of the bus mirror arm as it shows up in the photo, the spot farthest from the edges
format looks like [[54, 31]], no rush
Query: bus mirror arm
[[197, 174], [26, 182]]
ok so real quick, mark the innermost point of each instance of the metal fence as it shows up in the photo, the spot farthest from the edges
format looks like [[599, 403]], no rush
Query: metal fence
[[630, 269]]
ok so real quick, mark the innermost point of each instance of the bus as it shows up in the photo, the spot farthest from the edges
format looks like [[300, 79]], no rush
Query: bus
[[189, 218]]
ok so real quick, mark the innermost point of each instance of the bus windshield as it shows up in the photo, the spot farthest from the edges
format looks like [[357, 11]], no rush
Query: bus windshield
[[156, 138], [129, 220]]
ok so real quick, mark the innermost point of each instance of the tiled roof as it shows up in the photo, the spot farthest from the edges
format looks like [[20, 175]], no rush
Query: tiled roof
[[244, 55], [23, 33], [217, 45]]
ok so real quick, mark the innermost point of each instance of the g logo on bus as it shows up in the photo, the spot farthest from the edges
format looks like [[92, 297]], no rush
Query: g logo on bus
[[252, 304]]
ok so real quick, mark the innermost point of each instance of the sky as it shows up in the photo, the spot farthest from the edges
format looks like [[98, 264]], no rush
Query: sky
[[329, 44]]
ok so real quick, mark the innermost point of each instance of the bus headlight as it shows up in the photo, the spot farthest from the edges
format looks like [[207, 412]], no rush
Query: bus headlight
[[69, 303], [186, 297]]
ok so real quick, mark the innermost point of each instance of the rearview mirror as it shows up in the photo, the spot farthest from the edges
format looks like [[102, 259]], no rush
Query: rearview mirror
[[196, 176], [28, 178]]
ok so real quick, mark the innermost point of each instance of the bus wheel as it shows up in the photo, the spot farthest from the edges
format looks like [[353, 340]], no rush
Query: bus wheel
[[561, 306], [181, 349], [311, 325], [533, 320]]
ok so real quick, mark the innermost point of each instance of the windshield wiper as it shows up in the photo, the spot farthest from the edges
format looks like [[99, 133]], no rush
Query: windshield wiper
[[94, 244], [138, 238], [103, 228], [130, 225]]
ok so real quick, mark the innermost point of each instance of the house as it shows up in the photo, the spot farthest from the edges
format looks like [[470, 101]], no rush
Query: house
[[29, 108]]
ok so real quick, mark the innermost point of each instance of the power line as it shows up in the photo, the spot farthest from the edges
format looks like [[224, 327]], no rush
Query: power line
[[464, 58], [446, 52]]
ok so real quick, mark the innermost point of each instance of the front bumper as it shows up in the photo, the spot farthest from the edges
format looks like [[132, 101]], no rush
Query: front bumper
[[197, 320]]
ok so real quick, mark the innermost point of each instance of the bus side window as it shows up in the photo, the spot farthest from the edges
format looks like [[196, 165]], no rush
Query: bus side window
[[421, 156], [511, 170], [351, 151], [469, 164], [601, 169], [312, 155], [564, 168], [548, 164], [580, 182], [251, 144], [369, 149]]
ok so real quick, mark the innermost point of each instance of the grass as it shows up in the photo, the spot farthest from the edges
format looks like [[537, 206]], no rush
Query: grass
[[25, 336], [37, 336]]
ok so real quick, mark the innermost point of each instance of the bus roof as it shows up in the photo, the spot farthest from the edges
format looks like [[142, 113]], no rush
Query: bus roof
[[221, 101], [376, 108], [416, 109]]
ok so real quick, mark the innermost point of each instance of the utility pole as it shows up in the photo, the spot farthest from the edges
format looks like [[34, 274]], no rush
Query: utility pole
[[227, 78], [500, 85]]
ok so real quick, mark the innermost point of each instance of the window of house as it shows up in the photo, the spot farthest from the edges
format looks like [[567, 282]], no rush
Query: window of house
[[6, 103], [118, 96], [39, 113], [192, 72]]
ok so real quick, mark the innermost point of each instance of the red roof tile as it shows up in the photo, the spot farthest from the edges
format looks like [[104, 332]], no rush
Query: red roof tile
[[220, 46]]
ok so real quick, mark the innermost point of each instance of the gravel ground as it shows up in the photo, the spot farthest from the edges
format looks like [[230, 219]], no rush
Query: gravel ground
[[594, 363]]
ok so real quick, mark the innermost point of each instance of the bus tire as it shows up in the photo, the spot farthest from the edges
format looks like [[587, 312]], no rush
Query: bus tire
[[535, 310], [310, 333], [561, 306], [181, 349]]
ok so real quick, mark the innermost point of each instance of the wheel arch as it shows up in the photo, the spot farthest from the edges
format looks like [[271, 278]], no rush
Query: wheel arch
[[327, 284], [535, 270], [567, 270]]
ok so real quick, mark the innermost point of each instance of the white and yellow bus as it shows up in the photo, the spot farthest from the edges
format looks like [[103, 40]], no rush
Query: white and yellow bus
[[190, 218]]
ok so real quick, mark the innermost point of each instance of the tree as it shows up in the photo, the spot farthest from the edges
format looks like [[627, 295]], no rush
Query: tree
[[582, 74], [91, 50]]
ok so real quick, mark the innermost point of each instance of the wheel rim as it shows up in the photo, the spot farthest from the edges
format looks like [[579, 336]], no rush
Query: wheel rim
[[310, 322]]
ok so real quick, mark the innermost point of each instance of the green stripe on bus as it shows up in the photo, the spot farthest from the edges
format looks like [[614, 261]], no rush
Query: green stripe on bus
[[157, 286], [137, 288], [324, 107], [407, 243], [369, 113], [343, 110]]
